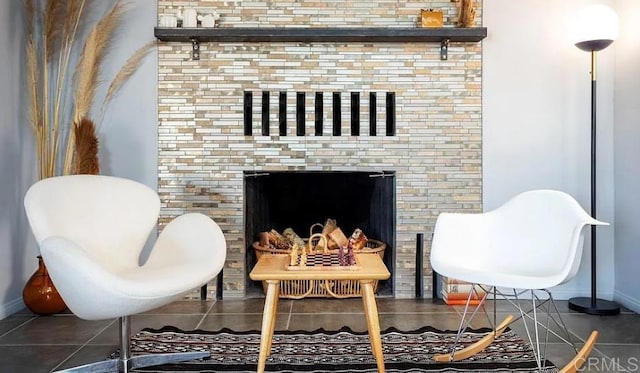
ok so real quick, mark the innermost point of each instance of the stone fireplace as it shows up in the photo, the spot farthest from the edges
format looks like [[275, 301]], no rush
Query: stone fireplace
[[208, 160]]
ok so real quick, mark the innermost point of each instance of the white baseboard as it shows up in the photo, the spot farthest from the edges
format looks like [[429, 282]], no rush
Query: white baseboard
[[11, 307], [630, 302], [559, 294]]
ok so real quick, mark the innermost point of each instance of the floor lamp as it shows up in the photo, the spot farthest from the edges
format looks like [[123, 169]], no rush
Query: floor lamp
[[596, 28]]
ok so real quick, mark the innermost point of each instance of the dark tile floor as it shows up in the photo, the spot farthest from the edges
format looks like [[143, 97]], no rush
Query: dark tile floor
[[31, 343]]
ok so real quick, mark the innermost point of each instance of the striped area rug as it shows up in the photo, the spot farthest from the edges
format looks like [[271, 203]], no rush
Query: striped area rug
[[334, 351]]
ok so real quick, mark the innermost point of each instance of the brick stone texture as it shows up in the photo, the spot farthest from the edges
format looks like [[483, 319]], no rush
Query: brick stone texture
[[436, 151]]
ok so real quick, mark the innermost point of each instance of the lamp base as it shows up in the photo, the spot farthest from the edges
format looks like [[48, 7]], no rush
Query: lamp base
[[602, 307]]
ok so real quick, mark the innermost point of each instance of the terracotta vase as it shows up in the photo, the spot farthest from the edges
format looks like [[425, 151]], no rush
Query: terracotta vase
[[40, 295]]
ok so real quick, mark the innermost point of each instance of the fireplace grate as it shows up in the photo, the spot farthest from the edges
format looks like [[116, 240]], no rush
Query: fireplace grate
[[319, 120]]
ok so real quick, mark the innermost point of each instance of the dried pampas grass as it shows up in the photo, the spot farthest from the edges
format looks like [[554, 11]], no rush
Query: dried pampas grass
[[88, 68], [86, 148], [95, 49], [53, 16], [58, 97], [127, 70]]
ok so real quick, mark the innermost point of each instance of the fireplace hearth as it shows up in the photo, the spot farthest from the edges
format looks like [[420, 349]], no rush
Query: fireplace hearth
[[298, 199]]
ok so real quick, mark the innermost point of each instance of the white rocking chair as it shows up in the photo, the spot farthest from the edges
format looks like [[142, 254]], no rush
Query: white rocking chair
[[530, 244]]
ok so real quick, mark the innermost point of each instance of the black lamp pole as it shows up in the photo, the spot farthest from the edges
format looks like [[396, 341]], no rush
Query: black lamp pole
[[592, 305]]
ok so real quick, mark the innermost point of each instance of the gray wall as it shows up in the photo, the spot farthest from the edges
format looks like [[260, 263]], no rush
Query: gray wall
[[17, 164], [128, 133], [536, 127], [535, 121], [627, 156], [536, 118]]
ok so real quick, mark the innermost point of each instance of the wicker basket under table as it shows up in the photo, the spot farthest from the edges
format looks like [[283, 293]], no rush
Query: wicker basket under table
[[298, 289]]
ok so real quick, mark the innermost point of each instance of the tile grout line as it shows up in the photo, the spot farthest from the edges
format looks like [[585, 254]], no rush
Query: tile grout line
[[84, 345], [289, 317], [595, 348], [18, 326], [199, 324]]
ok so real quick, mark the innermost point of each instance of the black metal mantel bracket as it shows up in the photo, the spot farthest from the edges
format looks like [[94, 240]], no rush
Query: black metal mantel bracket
[[195, 49], [444, 49]]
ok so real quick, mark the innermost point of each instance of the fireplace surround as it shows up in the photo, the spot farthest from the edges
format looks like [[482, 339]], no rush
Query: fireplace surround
[[434, 152]]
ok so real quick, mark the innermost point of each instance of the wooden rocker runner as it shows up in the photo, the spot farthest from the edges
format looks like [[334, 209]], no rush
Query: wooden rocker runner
[[476, 347], [571, 367], [531, 243]]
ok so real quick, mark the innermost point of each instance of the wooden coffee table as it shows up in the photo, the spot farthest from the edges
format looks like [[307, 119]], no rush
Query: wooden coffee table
[[273, 269]]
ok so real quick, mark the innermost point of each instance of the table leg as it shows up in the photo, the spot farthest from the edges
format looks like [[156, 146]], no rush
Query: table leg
[[373, 324], [268, 322], [273, 320]]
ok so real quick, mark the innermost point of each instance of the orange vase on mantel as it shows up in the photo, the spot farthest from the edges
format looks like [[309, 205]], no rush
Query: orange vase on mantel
[[40, 295]]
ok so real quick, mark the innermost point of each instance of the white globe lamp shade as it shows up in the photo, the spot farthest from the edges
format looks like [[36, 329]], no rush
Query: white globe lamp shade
[[594, 28]]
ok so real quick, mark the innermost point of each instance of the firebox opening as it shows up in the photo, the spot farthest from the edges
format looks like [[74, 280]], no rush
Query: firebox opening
[[298, 199]]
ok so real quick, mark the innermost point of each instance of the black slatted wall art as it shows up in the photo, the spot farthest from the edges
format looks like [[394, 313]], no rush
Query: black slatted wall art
[[248, 113], [355, 114], [265, 113], [372, 113], [337, 114], [319, 114], [391, 114], [300, 112], [319, 118], [282, 114]]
